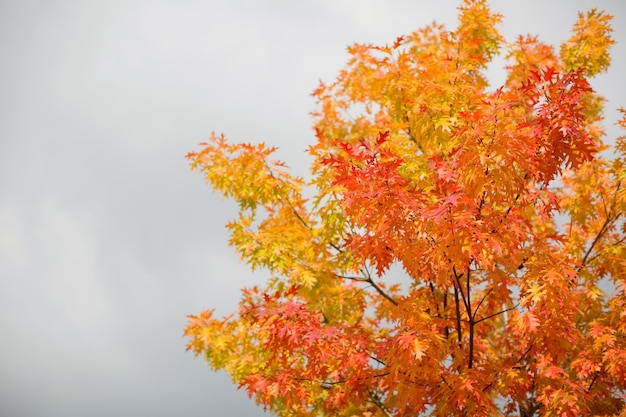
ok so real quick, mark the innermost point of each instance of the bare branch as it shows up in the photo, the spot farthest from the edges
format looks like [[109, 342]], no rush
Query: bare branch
[[593, 381], [457, 278], [592, 258], [459, 331], [374, 358], [360, 279], [381, 292], [497, 314], [470, 359], [605, 226], [378, 403], [481, 302], [601, 233]]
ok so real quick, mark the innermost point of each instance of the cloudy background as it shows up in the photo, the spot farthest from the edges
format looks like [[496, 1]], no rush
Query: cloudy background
[[107, 241]]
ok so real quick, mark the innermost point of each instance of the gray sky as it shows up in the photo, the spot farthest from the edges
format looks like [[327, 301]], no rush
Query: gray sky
[[107, 241]]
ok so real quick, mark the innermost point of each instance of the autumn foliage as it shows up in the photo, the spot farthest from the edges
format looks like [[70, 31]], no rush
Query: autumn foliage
[[464, 251]]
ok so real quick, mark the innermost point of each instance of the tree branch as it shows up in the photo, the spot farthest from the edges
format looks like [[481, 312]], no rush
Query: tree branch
[[525, 353], [470, 360], [605, 226], [368, 279], [459, 331], [590, 259], [383, 293], [593, 381], [457, 278], [360, 279], [378, 403], [601, 233], [481, 302], [497, 314]]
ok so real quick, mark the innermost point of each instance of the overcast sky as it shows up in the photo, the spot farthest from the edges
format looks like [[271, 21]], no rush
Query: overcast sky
[[107, 241]]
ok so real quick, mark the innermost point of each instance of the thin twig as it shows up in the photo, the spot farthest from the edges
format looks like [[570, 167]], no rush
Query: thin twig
[[381, 292], [481, 302], [601, 232], [497, 314], [593, 381], [360, 279]]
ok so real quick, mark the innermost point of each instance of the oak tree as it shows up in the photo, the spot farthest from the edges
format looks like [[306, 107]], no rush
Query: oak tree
[[464, 251]]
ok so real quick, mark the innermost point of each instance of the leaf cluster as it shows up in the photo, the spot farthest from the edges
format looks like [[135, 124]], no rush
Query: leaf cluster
[[506, 222]]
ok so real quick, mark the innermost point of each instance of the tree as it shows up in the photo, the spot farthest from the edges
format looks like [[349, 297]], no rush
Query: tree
[[496, 205]]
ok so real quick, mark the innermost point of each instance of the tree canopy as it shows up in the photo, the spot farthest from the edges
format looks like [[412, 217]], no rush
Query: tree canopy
[[502, 208]]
